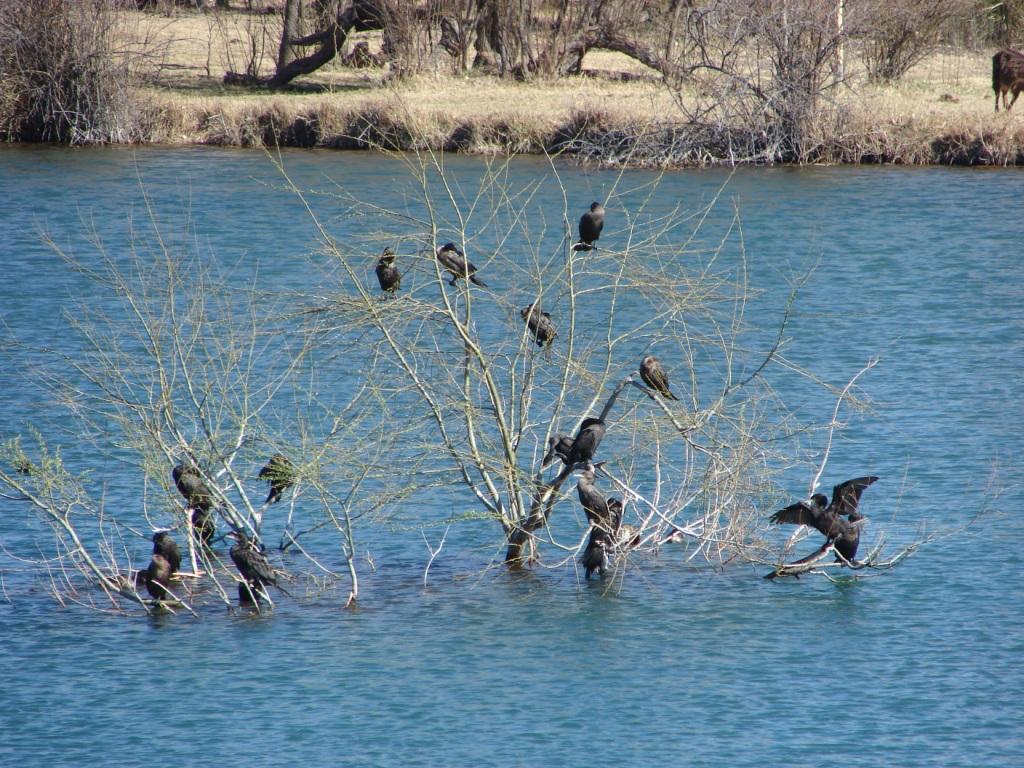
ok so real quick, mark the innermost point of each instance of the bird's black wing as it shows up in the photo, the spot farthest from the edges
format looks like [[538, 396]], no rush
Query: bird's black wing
[[846, 496], [802, 513], [559, 446]]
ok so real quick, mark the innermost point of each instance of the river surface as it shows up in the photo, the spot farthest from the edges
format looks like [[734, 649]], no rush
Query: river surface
[[918, 666]]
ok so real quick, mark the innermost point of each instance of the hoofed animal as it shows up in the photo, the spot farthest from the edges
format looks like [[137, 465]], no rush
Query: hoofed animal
[[1007, 75]]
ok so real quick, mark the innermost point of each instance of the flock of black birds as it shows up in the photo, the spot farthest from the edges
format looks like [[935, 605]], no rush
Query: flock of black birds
[[246, 554], [607, 532], [605, 515], [454, 262]]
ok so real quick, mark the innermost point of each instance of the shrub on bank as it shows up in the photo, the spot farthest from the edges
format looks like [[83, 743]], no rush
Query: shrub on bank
[[60, 77]]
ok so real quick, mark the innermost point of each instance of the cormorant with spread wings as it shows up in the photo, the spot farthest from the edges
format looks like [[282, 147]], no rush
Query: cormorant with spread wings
[[827, 517]]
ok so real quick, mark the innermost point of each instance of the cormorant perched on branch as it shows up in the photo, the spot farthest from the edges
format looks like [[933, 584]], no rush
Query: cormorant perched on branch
[[654, 377], [559, 447], [158, 577], [591, 224], [595, 556], [165, 546], [280, 474], [457, 265], [595, 505], [199, 498], [388, 276], [605, 516], [540, 324], [253, 564], [587, 439], [844, 535]]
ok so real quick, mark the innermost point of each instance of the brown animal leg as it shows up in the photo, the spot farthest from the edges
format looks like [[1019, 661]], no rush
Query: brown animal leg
[[1016, 93]]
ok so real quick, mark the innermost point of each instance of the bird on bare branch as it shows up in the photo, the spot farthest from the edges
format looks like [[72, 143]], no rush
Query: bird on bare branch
[[158, 577], [540, 325], [587, 440], [559, 447], [827, 518], [199, 499], [591, 224], [167, 548], [256, 570], [388, 276], [605, 517], [457, 265], [654, 376], [280, 474]]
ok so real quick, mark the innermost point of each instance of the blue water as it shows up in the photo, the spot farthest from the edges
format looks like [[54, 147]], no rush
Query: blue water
[[920, 665]]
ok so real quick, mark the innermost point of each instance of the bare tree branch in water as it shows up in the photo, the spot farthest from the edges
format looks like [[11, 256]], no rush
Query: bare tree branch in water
[[176, 361], [466, 380], [391, 406]]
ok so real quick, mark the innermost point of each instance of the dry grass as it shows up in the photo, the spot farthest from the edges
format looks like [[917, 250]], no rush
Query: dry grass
[[945, 101]]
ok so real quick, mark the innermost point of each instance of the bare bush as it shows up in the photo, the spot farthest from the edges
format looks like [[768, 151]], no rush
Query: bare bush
[[894, 37], [260, 34], [61, 78], [179, 363], [436, 397]]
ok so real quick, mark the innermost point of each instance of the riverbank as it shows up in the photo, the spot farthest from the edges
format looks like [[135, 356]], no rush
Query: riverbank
[[617, 112]]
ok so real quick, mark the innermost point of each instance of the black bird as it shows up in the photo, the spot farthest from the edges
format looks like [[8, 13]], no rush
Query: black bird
[[253, 564], [599, 513], [654, 377], [595, 505], [591, 224], [559, 447], [158, 577], [166, 547], [199, 499], [457, 265], [204, 525], [388, 276], [827, 518], [595, 556], [587, 439], [246, 596], [280, 474], [190, 485], [540, 325]]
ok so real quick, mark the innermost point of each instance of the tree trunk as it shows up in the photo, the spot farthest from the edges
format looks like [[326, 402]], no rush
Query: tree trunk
[[488, 34], [286, 52], [358, 15]]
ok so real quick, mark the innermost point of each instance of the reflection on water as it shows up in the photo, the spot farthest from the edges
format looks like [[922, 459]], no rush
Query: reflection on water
[[917, 667]]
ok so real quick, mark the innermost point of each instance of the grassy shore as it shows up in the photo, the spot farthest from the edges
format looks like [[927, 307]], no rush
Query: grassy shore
[[941, 112]]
